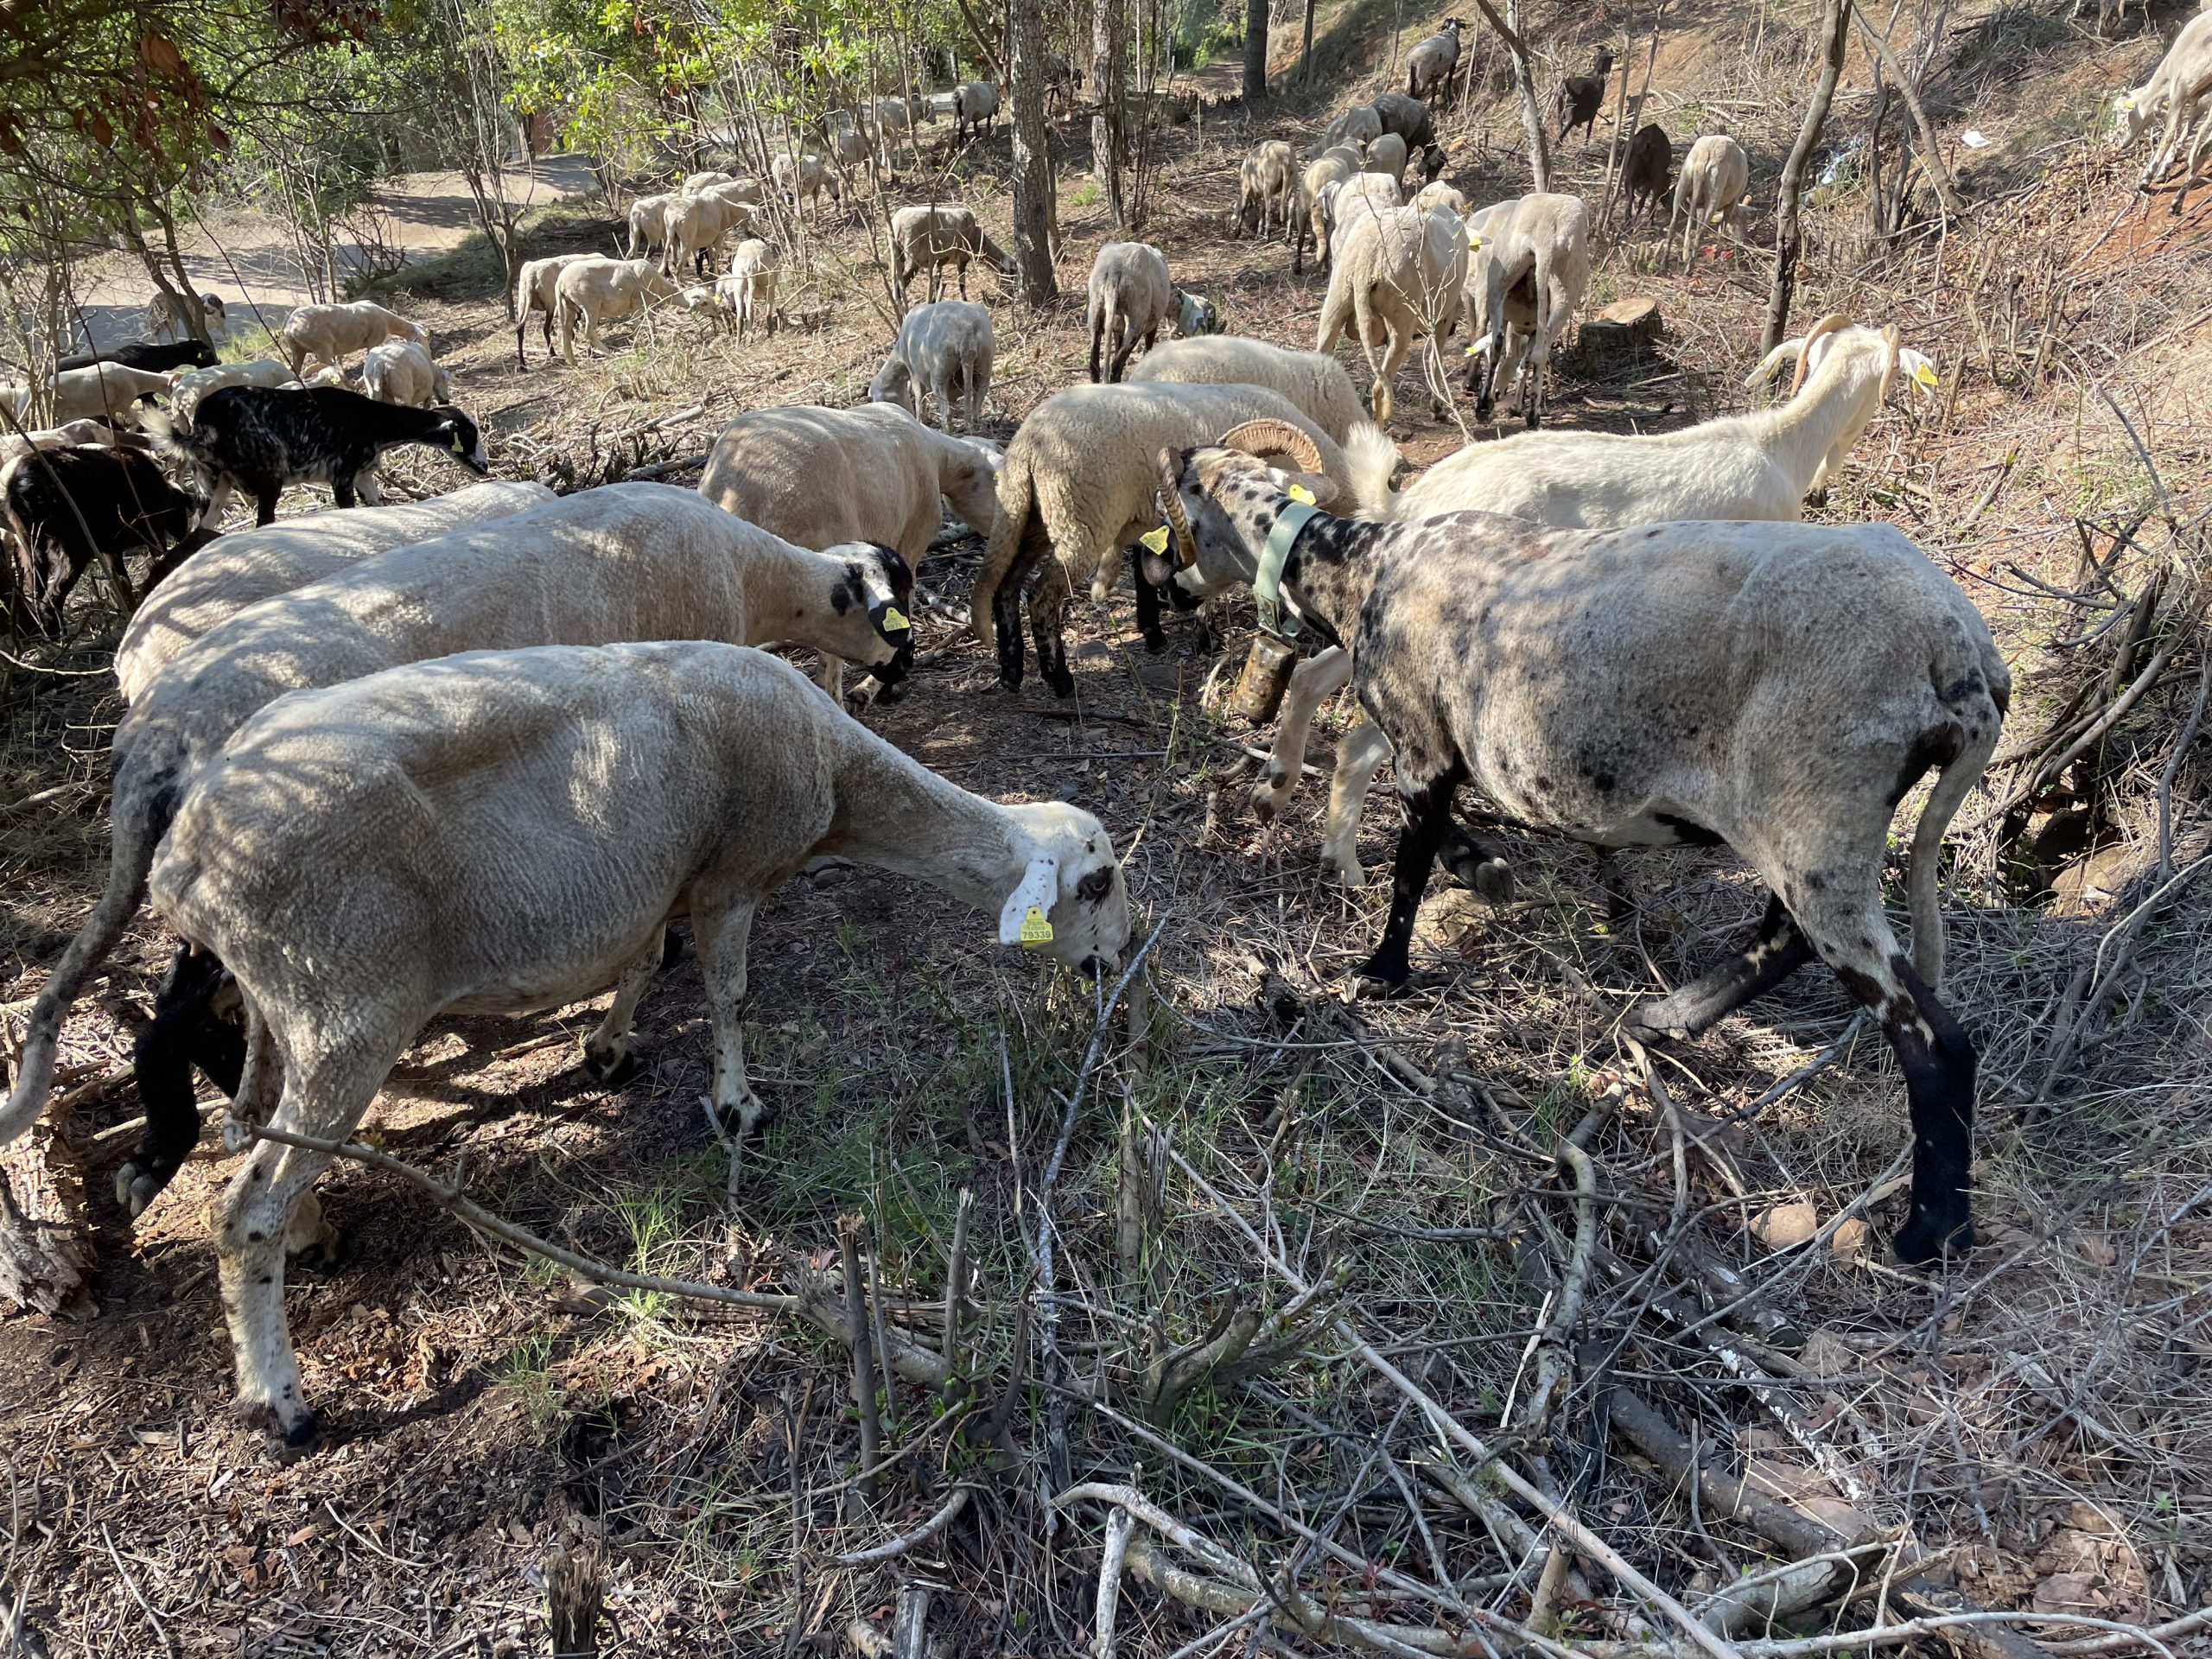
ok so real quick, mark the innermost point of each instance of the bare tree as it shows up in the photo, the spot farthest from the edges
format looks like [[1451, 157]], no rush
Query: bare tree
[[1110, 79], [1033, 155], [1256, 50], [1524, 77], [1788, 233]]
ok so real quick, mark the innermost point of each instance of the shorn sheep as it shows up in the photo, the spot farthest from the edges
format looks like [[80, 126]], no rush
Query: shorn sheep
[[401, 371], [1077, 486], [804, 177], [1358, 126], [234, 571], [974, 109], [1760, 466], [191, 385], [2181, 86], [534, 284], [1315, 198], [330, 333], [1388, 155], [1318, 386], [624, 561], [926, 239], [1716, 177], [594, 291], [1542, 240], [1431, 66], [64, 507], [1397, 276], [1267, 185], [1131, 295], [1776, 688], [105, 391], [649, 224], [532, 821], [747, 290], [251, 439], [942, 347]]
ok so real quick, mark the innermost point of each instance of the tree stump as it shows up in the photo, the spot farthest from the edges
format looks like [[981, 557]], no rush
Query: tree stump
[[46, 1260], [1623, 333]]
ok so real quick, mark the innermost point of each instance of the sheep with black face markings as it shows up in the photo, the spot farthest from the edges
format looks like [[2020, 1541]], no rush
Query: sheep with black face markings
[[1778, 688], [649, 781], [623, 561]]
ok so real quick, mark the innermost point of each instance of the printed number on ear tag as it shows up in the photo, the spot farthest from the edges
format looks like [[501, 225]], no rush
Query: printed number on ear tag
[[1154, 540], [1925, 374], [894, 618], [1035, 930], [1300, 493]]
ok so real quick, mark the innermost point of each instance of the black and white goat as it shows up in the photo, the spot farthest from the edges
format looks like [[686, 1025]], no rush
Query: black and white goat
[[65, 506], [1776, 687], [152, 354], [259, 440]]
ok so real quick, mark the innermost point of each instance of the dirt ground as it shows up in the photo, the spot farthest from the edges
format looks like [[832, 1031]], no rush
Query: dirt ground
[[2035, 1423]]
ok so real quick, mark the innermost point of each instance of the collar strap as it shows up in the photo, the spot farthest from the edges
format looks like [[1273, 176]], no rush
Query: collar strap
[[1267, 580]]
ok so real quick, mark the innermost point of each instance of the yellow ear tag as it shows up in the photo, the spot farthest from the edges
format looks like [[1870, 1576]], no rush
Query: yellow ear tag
[[1154, 541], [1474, 239], [1035, 930], [1299, 493], [894, 618], [1926, 376]]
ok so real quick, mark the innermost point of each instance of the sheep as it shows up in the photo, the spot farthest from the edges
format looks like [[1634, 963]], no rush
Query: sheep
[[1266, 184], [1314, 209], [165, 315], [329, 332], [191, 385], [925, 238], [1759, 466], [534, 284], [1131, 295], [649, 224], [1387, 156], [848, 144], [2182, 85], [747, 289], [694, 183], [593, 290], [1777, 688], [67, 506], [1441, 197], [940, 346], [623, 561], [1408, 117], [106, 391], [1580, 96], [695, 223], [657, 780], [145, 354], [1076, 488], [1716, 177], [260, 441], [1398, 273], [236, 570], [96, 432], [975, 108], [803, 177], [1318, 386], [1431, 66], [1358, 126], [1542, 240], [1645, 174], [401, 371]]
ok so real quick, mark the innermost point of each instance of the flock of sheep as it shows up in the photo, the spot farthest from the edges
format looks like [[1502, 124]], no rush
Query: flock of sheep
[[477, 753]]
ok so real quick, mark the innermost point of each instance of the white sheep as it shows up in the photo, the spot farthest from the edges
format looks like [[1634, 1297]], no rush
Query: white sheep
[[1266, 188], [925, 238], [1541, 240], [1715, 179], [1774, 687], [246, 566], [401, 371], [975, 106], [1398, 275], [804, 177], [191, 385], [940, 346], [1130, 296], [106, 391], [696, 225], [592, 291], [1358, 126], [649, 224], [13, 444], [1317, 385], [1758, 466], [694, 183], [623, 561], [165, 317], [747, 290], [531, 820], [1332, 168], [2181, 87], [1387, 155], [1441, 197], [534, 281], [1078, 486], [329, 333]]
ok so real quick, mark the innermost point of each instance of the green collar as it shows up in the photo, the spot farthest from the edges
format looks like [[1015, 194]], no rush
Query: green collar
[[1267, 580]]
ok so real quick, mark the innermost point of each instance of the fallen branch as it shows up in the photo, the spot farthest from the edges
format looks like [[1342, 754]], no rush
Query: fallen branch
[[914, 1540]]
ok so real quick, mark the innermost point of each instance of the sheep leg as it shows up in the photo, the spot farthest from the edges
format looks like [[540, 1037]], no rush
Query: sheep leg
[[607, 1059], [1776, 952], [1148, 628], [1428, 804], [1048, 604], [720, 932], [1312, 683], [185, 1031], [1360, 755], [830, 676]]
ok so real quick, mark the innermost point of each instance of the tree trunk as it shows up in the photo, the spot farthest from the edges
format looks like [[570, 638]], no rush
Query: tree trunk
[[1789, 234], [1032, 156], [1306, 50], [1937, 173], [1256, 51], [1532, 118], [1109, 77]]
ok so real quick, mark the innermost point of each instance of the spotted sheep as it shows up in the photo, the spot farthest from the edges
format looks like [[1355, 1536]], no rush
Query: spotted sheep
[[533, 820], [1778, 688], [623, 561]]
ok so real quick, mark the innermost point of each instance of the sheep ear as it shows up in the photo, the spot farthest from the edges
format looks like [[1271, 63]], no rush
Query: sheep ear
[[1026, 917], [1789, 352]]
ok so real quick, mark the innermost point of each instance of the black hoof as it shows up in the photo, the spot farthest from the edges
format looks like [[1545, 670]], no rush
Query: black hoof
[[1062, 682], [1482, 870], [1155, 641], [673, 947], [1924, 1242], [610, 1072], [303, 1439]]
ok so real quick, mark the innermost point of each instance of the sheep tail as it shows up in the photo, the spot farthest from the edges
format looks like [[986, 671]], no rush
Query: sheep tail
[[139, 826], [1016, 489], [1371, 458], [1980, 712]]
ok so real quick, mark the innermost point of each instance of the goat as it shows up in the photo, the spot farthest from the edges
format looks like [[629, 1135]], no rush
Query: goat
[[145, 354], [1580, 96], [165, 318], [68, 505], [1648, 170]]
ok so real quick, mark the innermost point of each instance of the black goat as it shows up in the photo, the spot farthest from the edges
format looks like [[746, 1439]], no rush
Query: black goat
[[1407, 116], [1650, 163], [66, 506], [153, 355], [259, 440], [1582, 96]]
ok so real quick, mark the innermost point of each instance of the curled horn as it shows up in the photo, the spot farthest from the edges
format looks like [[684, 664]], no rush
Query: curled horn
[[1889, 362], [1171, 502], [1263, 437], [1826, 325]]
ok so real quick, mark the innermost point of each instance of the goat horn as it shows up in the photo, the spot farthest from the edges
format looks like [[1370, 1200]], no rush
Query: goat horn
[[1170, 501], [1826, 325], [1260, 437]]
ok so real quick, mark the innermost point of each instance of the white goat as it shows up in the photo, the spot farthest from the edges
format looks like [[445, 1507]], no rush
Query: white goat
[[1716, 177]]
